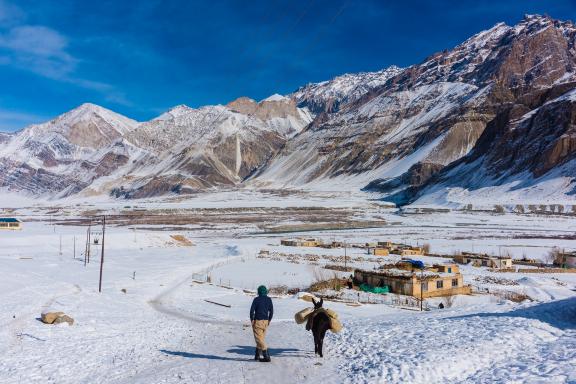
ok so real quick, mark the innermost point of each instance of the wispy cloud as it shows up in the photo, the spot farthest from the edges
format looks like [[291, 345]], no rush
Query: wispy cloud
[[39, 49], [44, 51]]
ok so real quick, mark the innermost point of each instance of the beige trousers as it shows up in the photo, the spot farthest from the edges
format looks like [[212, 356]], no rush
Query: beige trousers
[[259, 328]]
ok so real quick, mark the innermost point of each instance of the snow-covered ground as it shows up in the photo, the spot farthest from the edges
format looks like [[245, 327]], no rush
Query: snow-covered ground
[[151, 323]]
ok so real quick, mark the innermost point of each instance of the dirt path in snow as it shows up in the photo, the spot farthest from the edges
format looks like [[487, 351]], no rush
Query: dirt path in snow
[[223, 351]]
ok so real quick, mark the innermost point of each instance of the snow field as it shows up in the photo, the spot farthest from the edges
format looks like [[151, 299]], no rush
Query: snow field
[[163, 331]]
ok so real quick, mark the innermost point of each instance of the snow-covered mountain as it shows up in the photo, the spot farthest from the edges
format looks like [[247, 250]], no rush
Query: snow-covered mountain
[[398, 136], [96, 151], [329, 96], [525, 156], [494, 113]]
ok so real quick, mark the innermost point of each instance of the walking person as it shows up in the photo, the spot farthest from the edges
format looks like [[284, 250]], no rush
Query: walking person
[[261, 313]]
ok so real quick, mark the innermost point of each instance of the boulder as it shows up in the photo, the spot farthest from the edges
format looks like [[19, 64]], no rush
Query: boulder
[[64, 319], [49, 317], [56, 318]]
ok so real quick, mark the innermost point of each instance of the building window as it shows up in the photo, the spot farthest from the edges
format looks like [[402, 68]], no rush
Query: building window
[[484, 263], [424, 286], [439, 284], [454, 282], [449, 269]]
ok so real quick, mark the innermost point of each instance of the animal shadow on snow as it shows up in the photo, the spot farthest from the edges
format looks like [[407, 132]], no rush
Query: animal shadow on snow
[[560, 314]]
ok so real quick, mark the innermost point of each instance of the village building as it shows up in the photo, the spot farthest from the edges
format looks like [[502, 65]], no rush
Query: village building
[[483, 260], [384, 248], [411, 251], [380, 251], [566, 260], [333, 244], [301, 242], [434, 281], [10, 223], [570, 260]]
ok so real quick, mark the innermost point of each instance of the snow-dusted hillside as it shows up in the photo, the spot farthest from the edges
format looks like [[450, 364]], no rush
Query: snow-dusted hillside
[[525, 159]]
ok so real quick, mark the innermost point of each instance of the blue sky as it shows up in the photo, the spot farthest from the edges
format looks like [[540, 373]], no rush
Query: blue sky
[[140, 58]]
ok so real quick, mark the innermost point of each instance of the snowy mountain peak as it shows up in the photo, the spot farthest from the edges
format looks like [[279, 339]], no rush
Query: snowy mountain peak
[[88, 111], [330, 95], [88, 125], [276, 97], [178, 110]]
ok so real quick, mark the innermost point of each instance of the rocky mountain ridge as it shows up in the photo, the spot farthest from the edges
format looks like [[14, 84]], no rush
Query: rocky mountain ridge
[[398, 136]]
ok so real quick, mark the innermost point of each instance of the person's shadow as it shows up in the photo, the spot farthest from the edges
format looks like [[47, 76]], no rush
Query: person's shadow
[[243, 350]]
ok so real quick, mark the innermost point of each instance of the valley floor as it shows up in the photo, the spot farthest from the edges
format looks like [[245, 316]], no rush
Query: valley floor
[[151, 323]]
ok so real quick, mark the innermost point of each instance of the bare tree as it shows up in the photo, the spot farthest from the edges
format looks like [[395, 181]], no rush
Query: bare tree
[[426, 248], [553, 256], [448, 301]]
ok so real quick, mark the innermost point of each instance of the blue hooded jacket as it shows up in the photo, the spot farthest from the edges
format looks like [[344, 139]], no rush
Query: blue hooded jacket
[[262, 308]]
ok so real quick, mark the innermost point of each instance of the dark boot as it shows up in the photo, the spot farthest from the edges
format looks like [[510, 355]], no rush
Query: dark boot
[[257, 355], [265, 356]]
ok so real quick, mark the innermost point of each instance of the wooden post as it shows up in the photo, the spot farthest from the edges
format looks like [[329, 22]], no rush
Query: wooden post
[[345, 263], [102, 253], [74, 247], [421, 288]]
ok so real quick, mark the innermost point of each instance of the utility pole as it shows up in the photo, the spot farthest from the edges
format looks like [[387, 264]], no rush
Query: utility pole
[[102, 253], [87, 245], [74, 247], [345, 264], [88, 249]]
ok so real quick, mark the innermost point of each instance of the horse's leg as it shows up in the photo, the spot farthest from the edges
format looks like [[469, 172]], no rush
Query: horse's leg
[[315, 333], [321, 341]]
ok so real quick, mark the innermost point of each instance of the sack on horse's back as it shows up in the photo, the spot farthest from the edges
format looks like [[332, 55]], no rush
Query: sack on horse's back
[[331, 313], [302, 316], [335, 324]]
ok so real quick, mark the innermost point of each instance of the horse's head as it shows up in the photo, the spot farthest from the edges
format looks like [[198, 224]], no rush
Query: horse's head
[[318, 304]]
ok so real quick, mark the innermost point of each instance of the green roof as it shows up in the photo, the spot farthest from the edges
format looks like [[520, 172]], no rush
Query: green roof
[[8, 220]]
